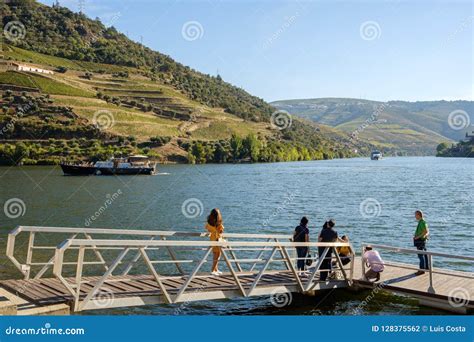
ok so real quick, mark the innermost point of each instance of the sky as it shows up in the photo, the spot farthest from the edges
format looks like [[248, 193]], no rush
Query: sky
[[378, 50]]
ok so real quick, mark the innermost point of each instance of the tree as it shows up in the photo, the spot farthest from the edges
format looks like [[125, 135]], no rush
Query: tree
[[251, 146], [236, 147], [21, 152], [198, 152], [220, 153], [441, 147]]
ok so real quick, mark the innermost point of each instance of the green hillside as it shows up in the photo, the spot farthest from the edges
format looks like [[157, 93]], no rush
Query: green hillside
[[462, 149], [110, 95], [394, 126]]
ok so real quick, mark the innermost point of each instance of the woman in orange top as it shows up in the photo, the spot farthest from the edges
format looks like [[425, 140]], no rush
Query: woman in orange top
[[215, 227]]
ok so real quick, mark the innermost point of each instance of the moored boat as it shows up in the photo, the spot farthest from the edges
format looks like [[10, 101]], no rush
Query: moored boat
[[132, 165], [78, 169]]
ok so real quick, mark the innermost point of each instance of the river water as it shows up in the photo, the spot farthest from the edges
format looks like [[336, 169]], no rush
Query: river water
[[371, 201]]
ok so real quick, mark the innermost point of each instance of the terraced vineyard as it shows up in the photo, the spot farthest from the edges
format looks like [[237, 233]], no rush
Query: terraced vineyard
[[141, 99], [135, 105]]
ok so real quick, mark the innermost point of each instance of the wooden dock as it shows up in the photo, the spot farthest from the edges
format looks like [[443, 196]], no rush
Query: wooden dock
[[153, 267]]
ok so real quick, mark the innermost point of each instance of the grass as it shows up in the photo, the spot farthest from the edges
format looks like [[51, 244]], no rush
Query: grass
[[19, 54], [45, 84], [96, 67], [53, 87], [224, 129], [68, 89], [26, 56], [126, 121], [18, 79]]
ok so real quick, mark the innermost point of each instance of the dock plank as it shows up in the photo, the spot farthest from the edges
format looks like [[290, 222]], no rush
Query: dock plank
[[50, 291]]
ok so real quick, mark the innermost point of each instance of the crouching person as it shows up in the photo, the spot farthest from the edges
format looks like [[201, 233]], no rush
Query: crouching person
[[374, 262]]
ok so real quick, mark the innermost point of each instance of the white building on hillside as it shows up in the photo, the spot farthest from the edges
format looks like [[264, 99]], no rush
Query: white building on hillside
[[30, 68]]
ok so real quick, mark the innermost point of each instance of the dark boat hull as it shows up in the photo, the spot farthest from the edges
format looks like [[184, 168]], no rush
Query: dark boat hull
[[126, 171], [86, 170], [78, 170]]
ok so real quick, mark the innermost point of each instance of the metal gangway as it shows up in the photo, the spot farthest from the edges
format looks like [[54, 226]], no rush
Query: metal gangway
[[95, 268], [103, 268]]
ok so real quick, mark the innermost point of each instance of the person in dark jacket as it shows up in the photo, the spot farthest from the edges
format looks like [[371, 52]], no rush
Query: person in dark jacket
[[301, 234], [327, 234]]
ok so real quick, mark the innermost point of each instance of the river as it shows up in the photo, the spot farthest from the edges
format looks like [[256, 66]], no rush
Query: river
[[371, 201]]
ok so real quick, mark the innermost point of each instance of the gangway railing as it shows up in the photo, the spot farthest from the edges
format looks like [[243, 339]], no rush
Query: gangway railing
[[237, 265], [30, 267], [411, 251]]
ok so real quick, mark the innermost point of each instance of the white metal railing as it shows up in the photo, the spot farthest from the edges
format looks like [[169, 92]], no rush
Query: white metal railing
[[264, 263], [55, 235], [431, 270]]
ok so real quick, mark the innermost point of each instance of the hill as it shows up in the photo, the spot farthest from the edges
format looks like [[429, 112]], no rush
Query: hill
[[104, 94], [396, 126], [463, 149]]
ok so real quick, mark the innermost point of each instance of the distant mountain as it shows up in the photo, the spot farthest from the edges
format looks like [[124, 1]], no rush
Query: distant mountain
[[396, 126]]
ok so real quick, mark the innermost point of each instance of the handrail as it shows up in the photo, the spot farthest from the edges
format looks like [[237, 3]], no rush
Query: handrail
[[163, 243], [26, 266], [85, 297], [415, 251], [431, 271], [139, 232]]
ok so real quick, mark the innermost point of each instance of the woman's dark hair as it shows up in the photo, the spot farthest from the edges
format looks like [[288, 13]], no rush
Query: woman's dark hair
[[215, 218], [329, 224], [304, 221]]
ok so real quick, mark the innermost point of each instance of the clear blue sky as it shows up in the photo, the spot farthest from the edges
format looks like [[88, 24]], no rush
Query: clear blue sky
[[421, 50]]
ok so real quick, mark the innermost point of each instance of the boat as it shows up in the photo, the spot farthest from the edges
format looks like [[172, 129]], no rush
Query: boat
[[376, 155], [78, 169], [131, 165]]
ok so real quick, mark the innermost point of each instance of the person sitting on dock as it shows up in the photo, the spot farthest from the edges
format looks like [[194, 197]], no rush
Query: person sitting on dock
[[301, 234], [374, 261], [216, 228], [419, 240], [327, 234], [344, 252]]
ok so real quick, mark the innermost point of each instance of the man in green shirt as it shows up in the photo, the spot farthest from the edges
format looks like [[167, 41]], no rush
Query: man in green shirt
[[419, 240]]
